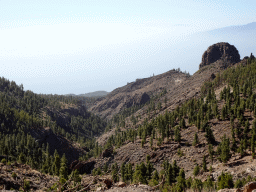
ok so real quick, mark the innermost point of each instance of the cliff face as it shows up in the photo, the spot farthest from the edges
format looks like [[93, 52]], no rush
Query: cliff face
[[220, 51]]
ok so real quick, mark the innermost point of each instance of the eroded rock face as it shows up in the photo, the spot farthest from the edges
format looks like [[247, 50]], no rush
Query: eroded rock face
[[82, 166], [249, 187], [107, 153], [220, 51], [137, 99]]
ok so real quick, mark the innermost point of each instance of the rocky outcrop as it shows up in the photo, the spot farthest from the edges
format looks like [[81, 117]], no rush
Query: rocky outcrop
[[230, 190], [220, 51], [249, 187], [107, 153], [137, 99], [83, 166]]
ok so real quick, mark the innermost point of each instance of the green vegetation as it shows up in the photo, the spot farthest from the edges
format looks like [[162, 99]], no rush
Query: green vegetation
[[22, 112]]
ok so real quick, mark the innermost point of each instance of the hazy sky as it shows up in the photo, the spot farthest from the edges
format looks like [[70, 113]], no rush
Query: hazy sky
[[79, 46]]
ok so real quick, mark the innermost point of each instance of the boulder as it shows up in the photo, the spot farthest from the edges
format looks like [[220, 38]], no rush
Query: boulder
[[137, 99], [249, 187], [121, 184], [107, 152], [212, 77], [108, 183], [83, 166], [220, 51], [144, 98], [229, 190]]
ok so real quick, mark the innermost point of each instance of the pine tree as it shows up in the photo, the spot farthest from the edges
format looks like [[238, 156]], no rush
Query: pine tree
[[22, 158], [204, 164], [198, 122], [138, 174], [211, 152], [182, 123], [123, 171], [176, 169], [105, 168], [196, 170], [209, 184], [253, 144], [189, 182], [209, 135], [181, 181], [246, 129], [114, 172], [63, 172], [225, 180], [223, 113], [155, 175], [129, 172], [177, 134], [170, 175], [197, 185], [150, 169], [196, 140], [233, 146], [242, 147], [151, 141], [75, 176], [56, 163], [225, 150]]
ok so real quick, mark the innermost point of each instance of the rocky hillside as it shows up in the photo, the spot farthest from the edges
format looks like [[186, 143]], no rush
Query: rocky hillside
[[167, 133], [180, 90], [137, 93], [170, 132]]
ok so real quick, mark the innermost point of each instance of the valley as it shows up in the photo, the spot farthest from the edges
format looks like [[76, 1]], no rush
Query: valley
[[167, 132]]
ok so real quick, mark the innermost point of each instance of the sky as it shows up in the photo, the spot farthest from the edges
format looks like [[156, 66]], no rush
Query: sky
[[81, 46]]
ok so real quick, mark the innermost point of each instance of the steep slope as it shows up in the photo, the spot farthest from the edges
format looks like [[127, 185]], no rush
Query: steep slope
[[137, 93], [179, 88], [217, 104], [60, 121]]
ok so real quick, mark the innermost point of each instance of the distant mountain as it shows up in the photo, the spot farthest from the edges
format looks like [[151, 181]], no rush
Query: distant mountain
[[90, 94], [95, 94], [235, 29], [241, 36]]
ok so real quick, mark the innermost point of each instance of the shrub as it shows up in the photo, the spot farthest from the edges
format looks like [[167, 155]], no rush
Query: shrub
[[14, 175], [180, 152], [196, 170], [225, 180], [26, 185], [3, 161], [238, 183]]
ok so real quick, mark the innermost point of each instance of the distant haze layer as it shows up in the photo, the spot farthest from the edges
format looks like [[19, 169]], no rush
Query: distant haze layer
[[106, 67]]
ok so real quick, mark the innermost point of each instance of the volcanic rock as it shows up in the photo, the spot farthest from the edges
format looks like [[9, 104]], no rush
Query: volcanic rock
[[249, 187], [107, 152], [108, 183], [220, 51], [83, 166]]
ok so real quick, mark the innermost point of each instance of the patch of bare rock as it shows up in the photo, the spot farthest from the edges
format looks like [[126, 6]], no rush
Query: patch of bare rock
[[249, 187]]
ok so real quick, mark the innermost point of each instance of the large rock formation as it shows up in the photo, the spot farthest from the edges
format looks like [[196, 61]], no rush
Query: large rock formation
[[82, 166], [220, 51]]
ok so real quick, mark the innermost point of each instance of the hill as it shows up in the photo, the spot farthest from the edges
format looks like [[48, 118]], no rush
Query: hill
[[61, 122], [216, 104], [138, 93], [173, 131], [94, 94]]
